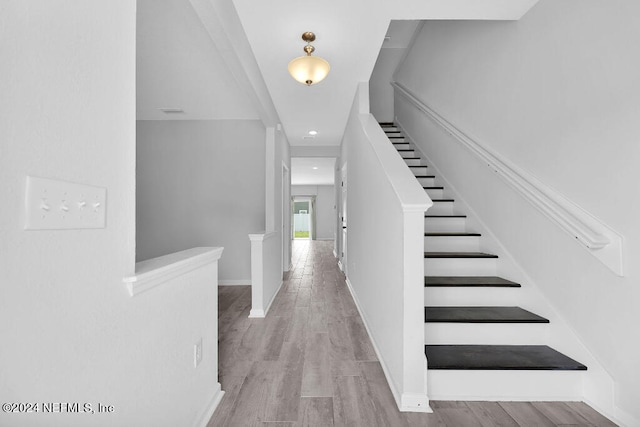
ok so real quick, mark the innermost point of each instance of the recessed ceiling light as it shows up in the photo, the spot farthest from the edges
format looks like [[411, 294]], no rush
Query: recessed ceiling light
[[315, 167], [313, 132]]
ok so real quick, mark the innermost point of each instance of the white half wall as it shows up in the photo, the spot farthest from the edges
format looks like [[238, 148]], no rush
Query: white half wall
[[70, 330], [556, 94], [385, 258], [201, 183], [325, 208]]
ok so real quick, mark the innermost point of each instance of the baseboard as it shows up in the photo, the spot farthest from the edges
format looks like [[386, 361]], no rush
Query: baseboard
[[260, 313], [406, 402], [335, 255], [324, 238], [340, 265], [209, 409], [240, 282], [620, 417]]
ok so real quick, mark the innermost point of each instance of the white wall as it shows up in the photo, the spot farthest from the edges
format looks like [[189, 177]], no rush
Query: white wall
[[380, 89], [557, 94], [325, 207], [385, 260], [201, 183], [71, 333]]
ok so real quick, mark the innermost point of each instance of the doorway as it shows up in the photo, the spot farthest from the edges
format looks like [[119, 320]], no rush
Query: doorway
[[302, 218]]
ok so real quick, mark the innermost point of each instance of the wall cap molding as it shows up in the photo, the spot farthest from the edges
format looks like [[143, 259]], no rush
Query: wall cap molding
[[599, 239], [156, 271], [259, 237]]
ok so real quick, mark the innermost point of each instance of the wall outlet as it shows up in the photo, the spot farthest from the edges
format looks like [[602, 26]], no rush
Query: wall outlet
[[197, 353]]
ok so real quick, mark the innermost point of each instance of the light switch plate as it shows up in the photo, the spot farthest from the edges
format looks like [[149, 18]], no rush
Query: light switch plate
[[59, 205]]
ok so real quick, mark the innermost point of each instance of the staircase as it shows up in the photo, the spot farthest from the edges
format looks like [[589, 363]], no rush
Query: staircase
[[478, 343]]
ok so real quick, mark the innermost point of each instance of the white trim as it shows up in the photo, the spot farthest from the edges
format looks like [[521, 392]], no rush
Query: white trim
[[335, 255], [340, 265], [253, 314], [234, 282], [156, 271], [620, 417], [602, 242], [406, 402], [207, 412]]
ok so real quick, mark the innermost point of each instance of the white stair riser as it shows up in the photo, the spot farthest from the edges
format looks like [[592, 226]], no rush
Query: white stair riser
[[396, 137], [486, 333], [444, 384], [412, 162], [460, 266], [427, 182], [390, 128], [422, 170], [472, 296], [451, 243], [441, 208], [402, 146], [444, 224], [435, 194], [404, 154]]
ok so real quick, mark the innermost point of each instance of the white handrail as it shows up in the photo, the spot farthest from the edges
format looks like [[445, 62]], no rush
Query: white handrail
[[602, 242]]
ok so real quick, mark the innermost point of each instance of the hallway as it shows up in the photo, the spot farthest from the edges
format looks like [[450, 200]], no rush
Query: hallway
[[310, 362]]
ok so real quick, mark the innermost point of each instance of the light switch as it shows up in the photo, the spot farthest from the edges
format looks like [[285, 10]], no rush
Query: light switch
[[58, 205]]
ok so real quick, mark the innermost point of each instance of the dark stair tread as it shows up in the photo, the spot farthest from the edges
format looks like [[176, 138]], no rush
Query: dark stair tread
[[458, 255], [469, 281], [442, 200], [432, 188], [445, 216], [405, 149], [382, 124], [452, 234], [481, 315], [411, 158], [499, 357], [425, 176], [419, 166]]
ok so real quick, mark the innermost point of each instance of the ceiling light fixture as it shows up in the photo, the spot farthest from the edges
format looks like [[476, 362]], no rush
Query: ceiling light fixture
[[313, 132], [315, 168], [309, 69]]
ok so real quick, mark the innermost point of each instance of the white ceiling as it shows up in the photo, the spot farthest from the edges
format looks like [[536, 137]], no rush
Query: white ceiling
[[179, 66], [349, 36], [227, 59], [312, 170]]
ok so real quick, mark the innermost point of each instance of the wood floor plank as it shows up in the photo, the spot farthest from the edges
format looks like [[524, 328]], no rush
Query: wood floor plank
[[362, 348], [340, 339], [458, 417], [491, 414], [274, 333], [386, 411], [297, 329], [283, 402], [304, 297], [350, 406], [317, 317], [590, 414], [559, 413], [316, 412], [417, 419], [231, 386], [526, 415], [316, 373]]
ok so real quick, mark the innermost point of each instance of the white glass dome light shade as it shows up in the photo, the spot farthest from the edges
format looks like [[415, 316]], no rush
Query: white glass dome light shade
[[309, 69]]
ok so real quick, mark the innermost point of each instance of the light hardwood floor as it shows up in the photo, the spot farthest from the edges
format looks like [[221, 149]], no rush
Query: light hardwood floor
[[310, 363]]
